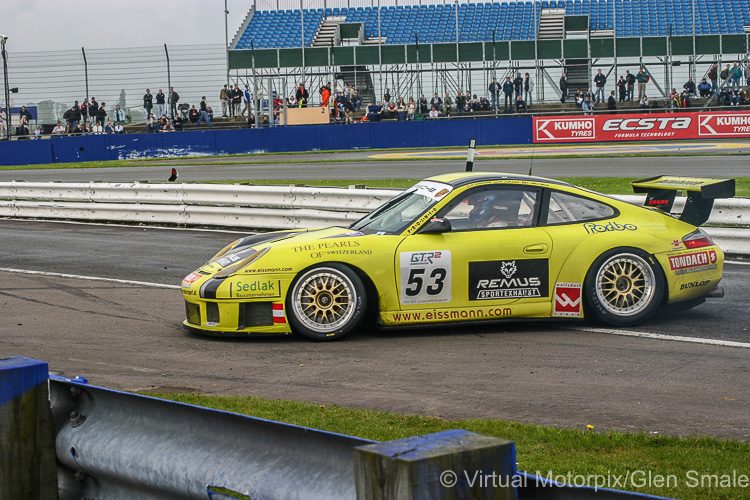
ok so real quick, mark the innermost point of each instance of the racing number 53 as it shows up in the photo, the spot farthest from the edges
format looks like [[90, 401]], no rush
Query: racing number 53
[[425, 277], [416, 282]]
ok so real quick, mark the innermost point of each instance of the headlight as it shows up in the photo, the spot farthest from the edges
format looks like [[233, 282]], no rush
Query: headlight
[[225, 250], [228, 271]]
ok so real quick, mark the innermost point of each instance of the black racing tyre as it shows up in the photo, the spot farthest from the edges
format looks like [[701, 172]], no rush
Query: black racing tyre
[[326, 302], [624, 287]]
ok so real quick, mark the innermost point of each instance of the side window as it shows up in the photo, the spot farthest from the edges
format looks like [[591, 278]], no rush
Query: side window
[[567, 208], [492, 207]]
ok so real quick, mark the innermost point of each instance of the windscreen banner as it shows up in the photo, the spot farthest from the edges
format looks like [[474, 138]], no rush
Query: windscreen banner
[[642, 126]]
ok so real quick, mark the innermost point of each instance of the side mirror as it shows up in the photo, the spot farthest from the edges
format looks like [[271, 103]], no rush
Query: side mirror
[[436, 225]]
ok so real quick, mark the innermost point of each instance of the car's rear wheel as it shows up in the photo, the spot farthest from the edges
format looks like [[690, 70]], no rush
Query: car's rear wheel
[[624, 287], [326, 302]]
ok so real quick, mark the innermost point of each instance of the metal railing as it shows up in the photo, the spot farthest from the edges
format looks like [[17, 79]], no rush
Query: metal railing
[[262, 207]]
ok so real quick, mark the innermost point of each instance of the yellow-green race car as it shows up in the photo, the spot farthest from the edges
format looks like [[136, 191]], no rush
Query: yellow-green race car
[[469, 247]]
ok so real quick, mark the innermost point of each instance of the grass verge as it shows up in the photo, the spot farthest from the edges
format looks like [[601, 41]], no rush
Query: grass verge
[[540, 448], [609, 185]]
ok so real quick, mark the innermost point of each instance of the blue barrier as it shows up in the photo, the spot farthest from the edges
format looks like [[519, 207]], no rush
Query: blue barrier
[[19, 375], [506, 130]]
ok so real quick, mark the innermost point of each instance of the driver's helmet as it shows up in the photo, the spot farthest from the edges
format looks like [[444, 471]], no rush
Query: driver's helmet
[[497, 208]]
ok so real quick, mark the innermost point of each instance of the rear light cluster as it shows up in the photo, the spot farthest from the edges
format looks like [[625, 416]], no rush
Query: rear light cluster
[[697, 239]]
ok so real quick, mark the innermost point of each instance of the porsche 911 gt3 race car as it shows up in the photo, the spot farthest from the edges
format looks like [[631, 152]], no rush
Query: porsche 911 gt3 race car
[[469, 247]]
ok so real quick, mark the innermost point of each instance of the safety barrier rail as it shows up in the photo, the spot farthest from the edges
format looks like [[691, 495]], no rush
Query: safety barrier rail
[[261, 207], [117, 445]]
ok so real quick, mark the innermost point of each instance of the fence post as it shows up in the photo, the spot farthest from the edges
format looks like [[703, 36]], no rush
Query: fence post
[[448, 465], [28, 467]]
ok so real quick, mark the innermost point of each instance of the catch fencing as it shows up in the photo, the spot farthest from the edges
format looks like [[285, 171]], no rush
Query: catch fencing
[[262, 207]]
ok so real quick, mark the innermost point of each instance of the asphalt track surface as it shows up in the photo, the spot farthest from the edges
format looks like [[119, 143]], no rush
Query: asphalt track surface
[[129, 337]]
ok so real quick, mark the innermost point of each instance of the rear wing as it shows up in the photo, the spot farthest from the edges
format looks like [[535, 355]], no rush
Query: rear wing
[[701, 193]]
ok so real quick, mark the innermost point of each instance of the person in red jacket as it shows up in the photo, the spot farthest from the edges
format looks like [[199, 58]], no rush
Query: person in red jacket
[[325, 95]]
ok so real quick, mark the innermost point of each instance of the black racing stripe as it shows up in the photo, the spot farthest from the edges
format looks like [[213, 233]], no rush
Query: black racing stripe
[[265, 237], [208, 290]]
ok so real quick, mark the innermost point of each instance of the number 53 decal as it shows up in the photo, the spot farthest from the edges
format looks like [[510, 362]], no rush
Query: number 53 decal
[[425, 277]]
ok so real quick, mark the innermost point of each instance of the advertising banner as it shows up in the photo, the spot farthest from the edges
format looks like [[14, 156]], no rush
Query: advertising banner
[[642, 126]]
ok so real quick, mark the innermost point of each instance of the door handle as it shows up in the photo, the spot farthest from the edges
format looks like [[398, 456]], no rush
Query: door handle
[[539, 248]]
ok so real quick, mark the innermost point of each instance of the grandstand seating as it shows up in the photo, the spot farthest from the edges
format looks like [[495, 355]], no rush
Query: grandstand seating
[[507, 20]]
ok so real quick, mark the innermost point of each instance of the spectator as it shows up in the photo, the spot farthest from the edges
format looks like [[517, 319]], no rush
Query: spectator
[[689, 86], [508, 91], [101, 114], [161, 103], [302, 95], [411, 109], [119, 129], [148, 102], [622, 86], [3, 120], [151, 124], [734, 98], [725, 76], [630, 79], [248, 98], [494, 90], [72, 116], [325, 95], [713, 78], [204, 116], [643, 102], [434, 112], [119, 115], [736, 75], [374, 112], [24, 114], [93, 111], [563, 87], [685, 99], [528, 86], [97, 128], [642, 78], [675, 101], [401, 110], [612, 101], [600, 80], [22, 131], [225, 101], [237, 95], [193, 114], [387, 96], [436, 102], [518, 84], [448, 103], [84, 107], [174, 98], [59, 128], [747, 73], [109, 128], [461, 103], [705, 89], [423, 109], [177, 123], [391, 109], [579, 98], [586, 105], [356, 100], [520, 104]]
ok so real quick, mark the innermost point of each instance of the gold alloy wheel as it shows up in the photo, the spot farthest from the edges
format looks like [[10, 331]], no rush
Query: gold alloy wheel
[[324, 300], [625, 284]]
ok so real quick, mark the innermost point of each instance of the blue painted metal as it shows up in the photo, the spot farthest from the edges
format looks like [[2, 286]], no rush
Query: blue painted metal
[[19, 375], [488, 131]]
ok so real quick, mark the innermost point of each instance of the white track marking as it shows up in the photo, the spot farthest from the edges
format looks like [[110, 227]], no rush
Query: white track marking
[[131, 226], [89, 278], [737, 262], [657, 336]]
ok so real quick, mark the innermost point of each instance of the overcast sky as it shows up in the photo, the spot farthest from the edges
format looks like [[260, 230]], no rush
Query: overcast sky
[[41, 25]]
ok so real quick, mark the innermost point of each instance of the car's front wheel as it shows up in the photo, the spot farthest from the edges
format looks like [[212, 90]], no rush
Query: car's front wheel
[[326, 302], [624, 287]]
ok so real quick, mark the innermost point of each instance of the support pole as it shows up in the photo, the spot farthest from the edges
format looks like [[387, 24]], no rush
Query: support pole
[[85, 72], [226, 37], [302, 24], [7, 88], [169, 78]]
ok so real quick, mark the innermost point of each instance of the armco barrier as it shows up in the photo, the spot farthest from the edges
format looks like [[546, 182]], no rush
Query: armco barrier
[[117, 445], [262, 207], [458, 132]]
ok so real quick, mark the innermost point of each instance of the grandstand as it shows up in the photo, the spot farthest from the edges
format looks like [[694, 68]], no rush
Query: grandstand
[[500, 21]]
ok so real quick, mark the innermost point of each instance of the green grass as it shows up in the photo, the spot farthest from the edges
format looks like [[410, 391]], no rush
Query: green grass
[[540, 448], [608, 185]]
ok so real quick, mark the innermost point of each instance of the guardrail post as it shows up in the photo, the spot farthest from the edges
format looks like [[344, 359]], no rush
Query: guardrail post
[[448, 465], [28, 467]]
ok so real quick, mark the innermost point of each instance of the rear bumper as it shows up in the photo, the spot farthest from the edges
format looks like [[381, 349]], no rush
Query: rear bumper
[[692, 274]]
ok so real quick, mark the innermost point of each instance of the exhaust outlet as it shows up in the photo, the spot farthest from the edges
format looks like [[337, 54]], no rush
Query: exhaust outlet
[[716, 293]]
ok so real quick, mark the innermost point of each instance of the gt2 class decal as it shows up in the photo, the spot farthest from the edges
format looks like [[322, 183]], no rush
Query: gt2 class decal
[[425, 277], [508, 279], [567, 300], [693, 262], [593, 228]]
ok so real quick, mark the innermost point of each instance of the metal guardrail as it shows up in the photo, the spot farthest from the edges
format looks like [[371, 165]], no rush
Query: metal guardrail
[[261, 207]]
